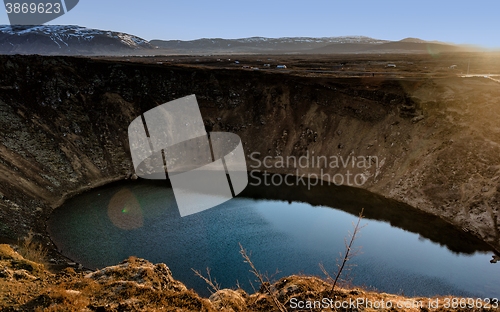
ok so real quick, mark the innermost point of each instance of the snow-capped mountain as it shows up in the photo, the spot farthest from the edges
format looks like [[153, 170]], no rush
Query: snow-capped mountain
[[342, 39], [67, 40]]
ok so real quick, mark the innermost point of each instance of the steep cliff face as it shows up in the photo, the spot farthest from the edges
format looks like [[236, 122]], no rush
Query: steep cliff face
[[436, 141]]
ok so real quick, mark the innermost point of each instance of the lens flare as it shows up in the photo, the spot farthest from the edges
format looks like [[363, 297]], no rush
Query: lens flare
[[433, 51], [124, 210]]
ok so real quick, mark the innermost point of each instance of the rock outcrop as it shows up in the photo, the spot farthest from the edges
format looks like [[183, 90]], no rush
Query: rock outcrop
[[138, 285]]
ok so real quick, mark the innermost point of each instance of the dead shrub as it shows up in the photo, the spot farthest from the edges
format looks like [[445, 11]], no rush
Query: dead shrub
[[32, 250]]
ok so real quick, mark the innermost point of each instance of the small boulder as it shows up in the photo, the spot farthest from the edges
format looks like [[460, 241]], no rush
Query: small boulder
[[495, 259], [228, 300], [23, 275], [139, 271], [417, 118]]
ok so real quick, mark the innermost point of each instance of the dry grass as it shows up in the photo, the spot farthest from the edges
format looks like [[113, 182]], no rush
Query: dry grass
[[214, 286], [265, 284], [32, 250], [349, 252], [61, 299]]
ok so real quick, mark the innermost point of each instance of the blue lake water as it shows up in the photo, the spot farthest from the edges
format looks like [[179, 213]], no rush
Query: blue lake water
[[417, 255]]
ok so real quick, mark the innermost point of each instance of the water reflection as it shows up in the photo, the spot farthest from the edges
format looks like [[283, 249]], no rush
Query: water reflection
[[376, 207]]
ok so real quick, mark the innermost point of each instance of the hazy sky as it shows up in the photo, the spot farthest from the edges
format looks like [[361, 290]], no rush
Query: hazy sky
[[473, 22]]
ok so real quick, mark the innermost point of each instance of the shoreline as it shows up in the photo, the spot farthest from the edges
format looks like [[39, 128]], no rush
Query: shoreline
[[127, 177], [256, 191]]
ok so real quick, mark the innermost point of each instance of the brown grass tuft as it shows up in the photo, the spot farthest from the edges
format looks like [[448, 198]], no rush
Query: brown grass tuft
[[32, 250]]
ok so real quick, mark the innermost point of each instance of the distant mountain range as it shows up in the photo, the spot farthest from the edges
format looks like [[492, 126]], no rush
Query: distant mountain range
[[306, 45], [261, 44], [76, 40]]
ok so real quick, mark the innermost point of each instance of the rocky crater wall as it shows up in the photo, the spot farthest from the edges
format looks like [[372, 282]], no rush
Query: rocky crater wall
[[63, 124]]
